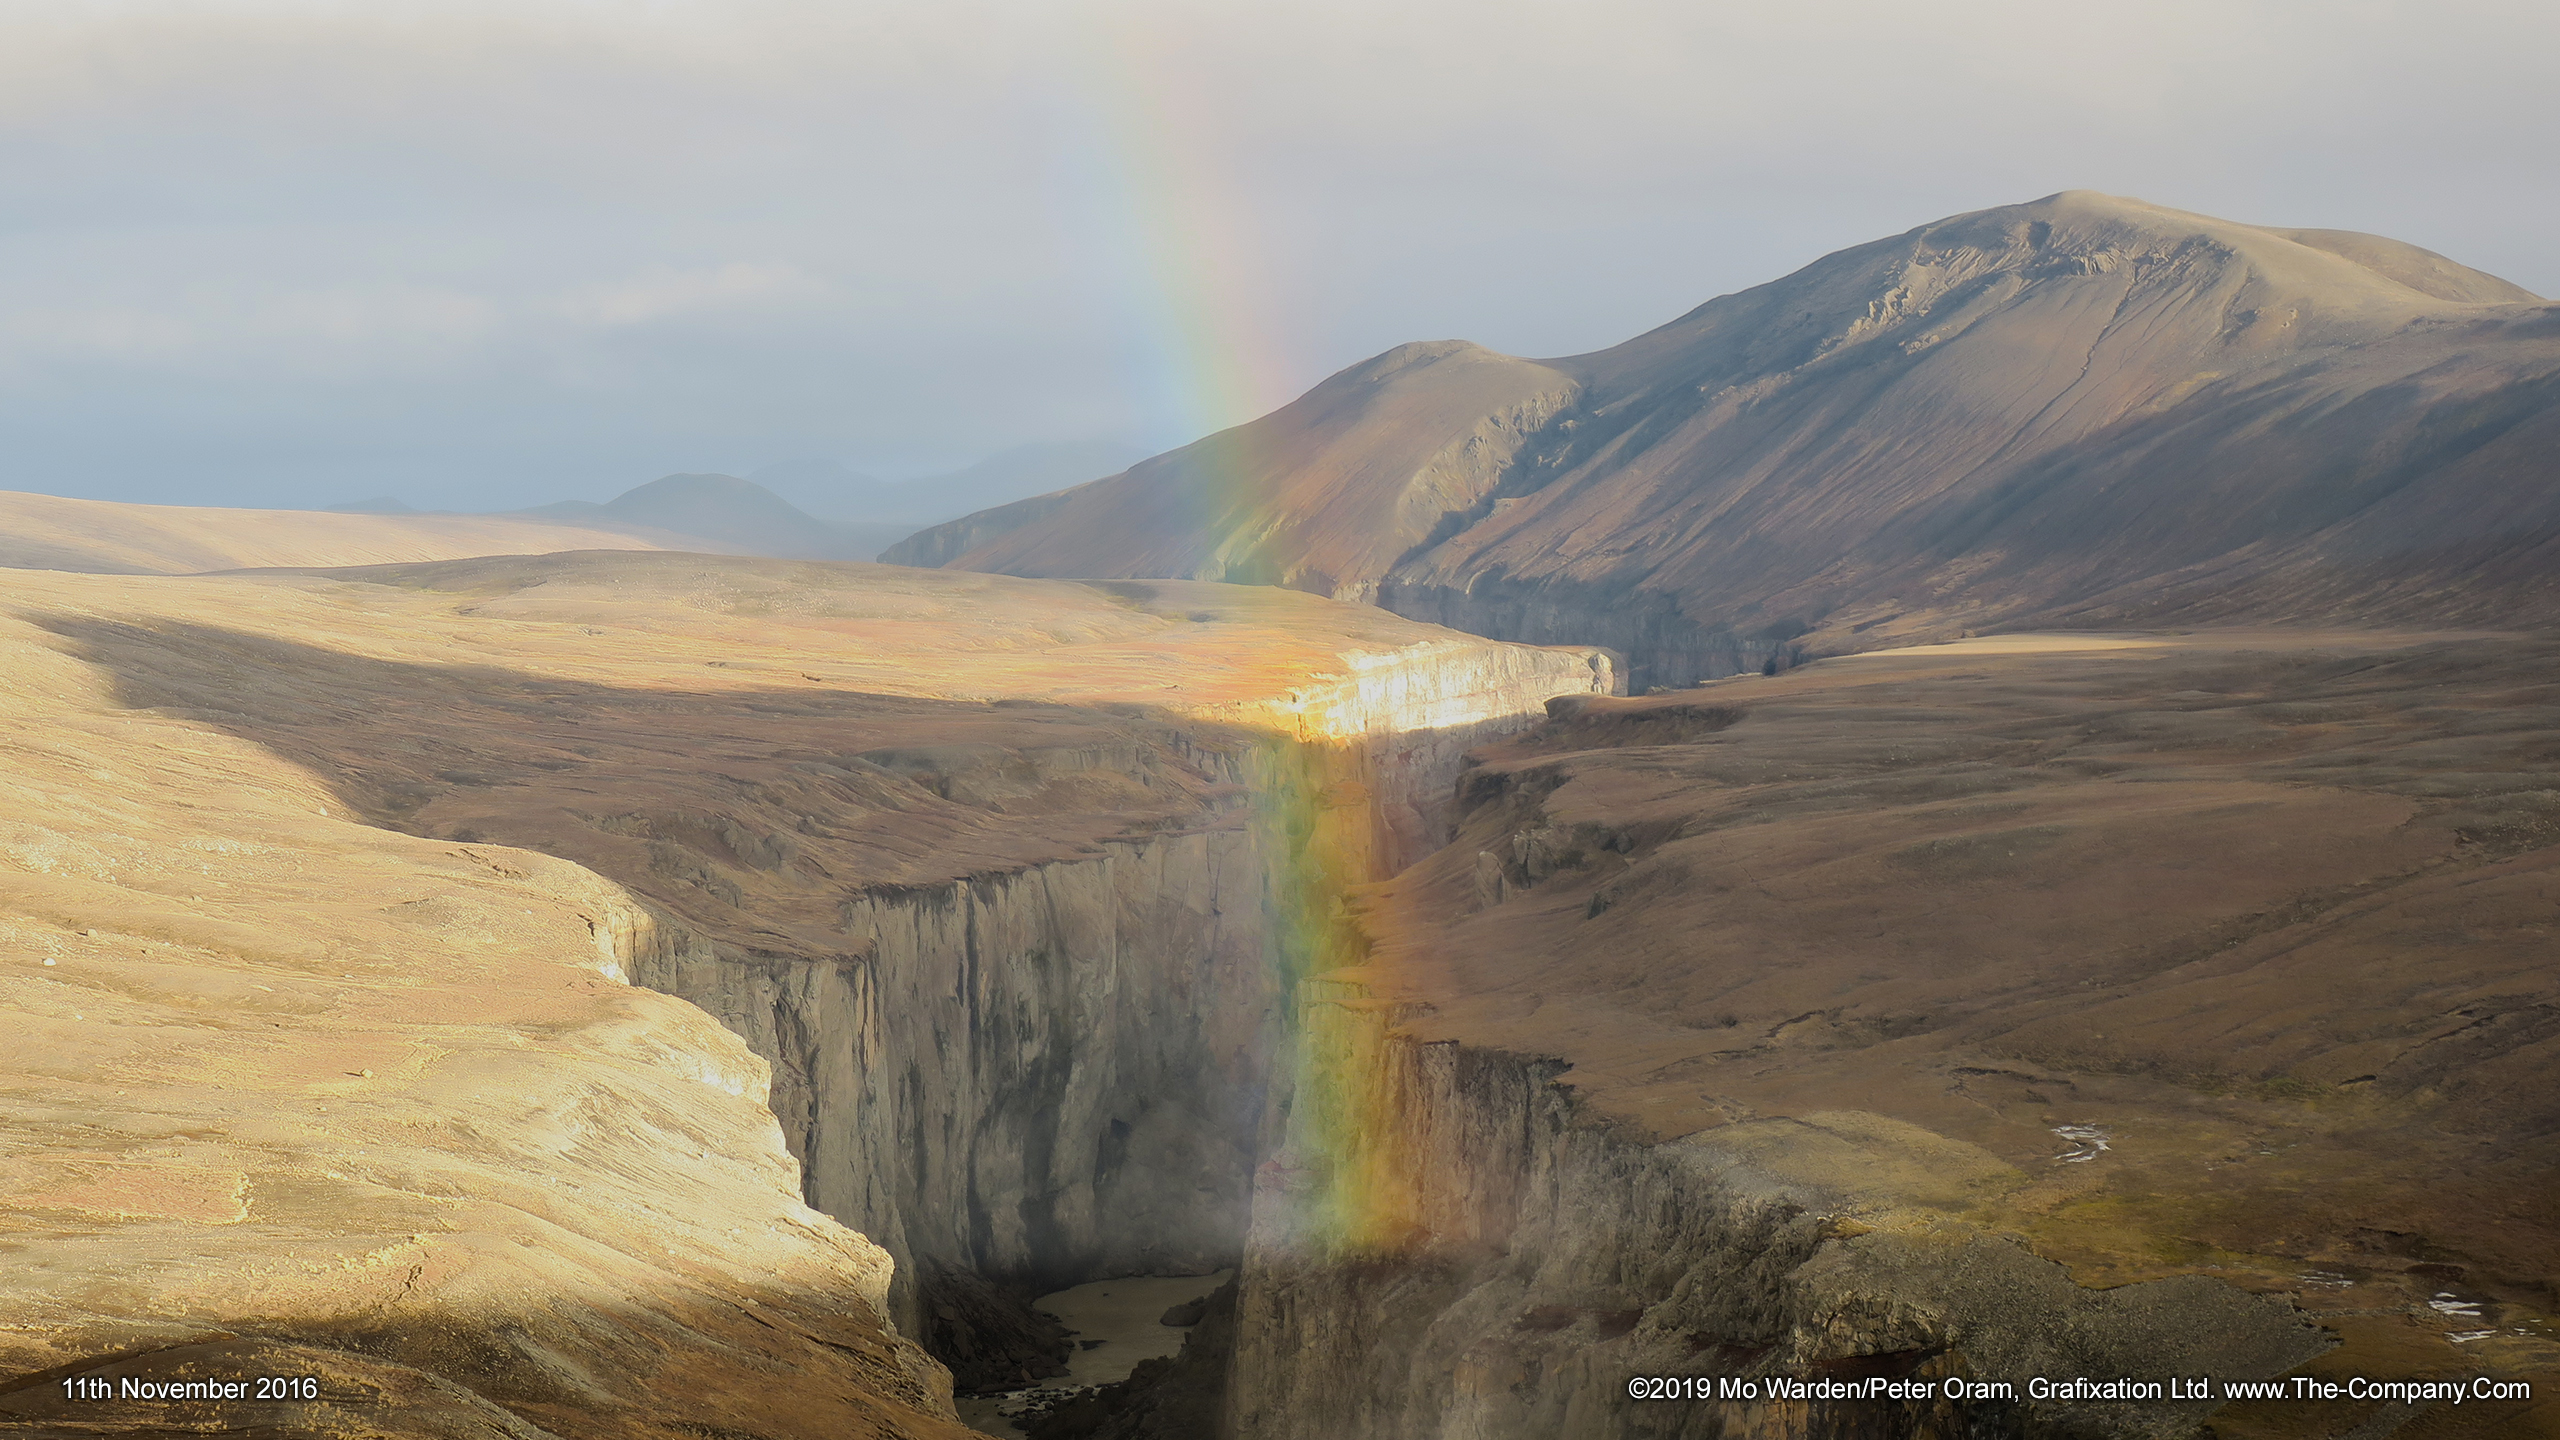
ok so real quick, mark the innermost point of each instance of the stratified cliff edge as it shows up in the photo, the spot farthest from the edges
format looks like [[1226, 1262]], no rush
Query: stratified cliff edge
[[2084, 410]]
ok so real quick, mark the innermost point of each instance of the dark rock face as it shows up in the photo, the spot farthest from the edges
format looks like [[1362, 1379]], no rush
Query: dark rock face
[[2083, 411], [987, 1333]]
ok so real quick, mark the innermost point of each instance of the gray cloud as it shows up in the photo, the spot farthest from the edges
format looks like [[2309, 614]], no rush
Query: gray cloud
[[295, 253]]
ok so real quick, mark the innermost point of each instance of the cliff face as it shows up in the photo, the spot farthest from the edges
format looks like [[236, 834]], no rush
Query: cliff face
[[1024, 1079], [2083, 409], [1544, 1257], [1020, 1080]]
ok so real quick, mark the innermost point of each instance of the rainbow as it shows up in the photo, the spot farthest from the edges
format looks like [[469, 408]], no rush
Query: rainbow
[[1143, 154], [1342, 1181]]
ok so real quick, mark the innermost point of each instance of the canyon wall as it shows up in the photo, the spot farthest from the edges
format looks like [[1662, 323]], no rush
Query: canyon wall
[[1030, 1078], [1023, 1078], [1537, 1258]]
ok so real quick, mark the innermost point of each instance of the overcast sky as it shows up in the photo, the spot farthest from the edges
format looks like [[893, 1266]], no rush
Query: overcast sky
[[484, 256]]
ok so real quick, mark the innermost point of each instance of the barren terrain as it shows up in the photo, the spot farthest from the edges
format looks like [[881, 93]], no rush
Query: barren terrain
[[2225, 954]]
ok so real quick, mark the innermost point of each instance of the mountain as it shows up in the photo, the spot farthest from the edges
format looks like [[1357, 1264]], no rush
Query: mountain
[[731, 513], [2084, 411], [823, 487], [1007, 476], [852, 499]]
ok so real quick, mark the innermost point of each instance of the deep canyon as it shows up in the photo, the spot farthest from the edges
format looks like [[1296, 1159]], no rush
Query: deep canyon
[[1514, 1039], [637, 993]]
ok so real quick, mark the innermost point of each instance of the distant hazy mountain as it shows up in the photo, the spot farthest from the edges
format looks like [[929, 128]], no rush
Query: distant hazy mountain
[[736, 514], [1013, 475], [2084, 410], [840, 493], [827, 488]]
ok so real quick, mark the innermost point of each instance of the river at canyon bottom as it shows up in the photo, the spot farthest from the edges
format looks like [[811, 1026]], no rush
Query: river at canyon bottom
[[1116, 1325]]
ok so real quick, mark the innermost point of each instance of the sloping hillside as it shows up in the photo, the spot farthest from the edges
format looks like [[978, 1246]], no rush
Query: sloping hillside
[[48, 532], [2084, 410]]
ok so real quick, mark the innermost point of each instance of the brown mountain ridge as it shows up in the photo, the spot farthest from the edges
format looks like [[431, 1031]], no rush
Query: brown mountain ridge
[[2082, 411]]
